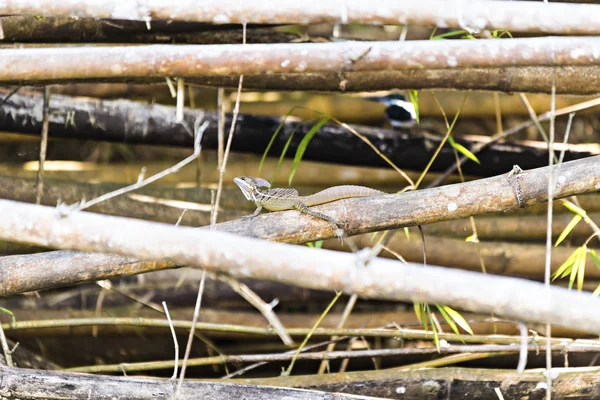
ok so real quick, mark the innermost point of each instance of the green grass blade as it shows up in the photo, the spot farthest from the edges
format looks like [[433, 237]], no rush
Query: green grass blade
[[284, 151], [449, 320], [302, 146], [568, 229], [418, 311], [273, 137], [447, 34], [572, 207], [463, 150], [564, 270], [581, 269], [595, 258], [7, 311], [436, 338], [455, 315], [288, 371], [575, 269], [413, 95]]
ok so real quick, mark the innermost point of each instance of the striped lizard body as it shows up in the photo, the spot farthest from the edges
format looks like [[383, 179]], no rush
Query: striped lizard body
[[280, 199]]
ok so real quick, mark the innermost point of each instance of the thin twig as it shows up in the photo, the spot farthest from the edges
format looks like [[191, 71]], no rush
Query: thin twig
[[523, 350], [5, 348], [175, 342], [548, 266], [188, 347], [236, 111], [9, 95], [180, 100], [332, 355], [290, 352], [144, 182], [500, 135], [265, 309], [347, 311], [288, 371], [43, 145], [220, 126]]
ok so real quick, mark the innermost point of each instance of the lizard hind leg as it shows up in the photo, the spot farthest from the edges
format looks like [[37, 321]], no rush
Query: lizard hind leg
[[305, 210]]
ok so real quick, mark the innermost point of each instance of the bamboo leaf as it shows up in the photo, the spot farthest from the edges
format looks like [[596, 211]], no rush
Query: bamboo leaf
[[575, 269], [563, 270], [581, 269], [455, 315], [436, 338], [413, 95], [284, 150], [572, 207], [448, 319], [273, 137], [572, 224], [418, 311], [302, 146], [7, 311], [447, 34], [595, 258], [462, 150]]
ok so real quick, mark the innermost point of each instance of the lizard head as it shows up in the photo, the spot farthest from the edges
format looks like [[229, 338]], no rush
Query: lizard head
[[249, 186]]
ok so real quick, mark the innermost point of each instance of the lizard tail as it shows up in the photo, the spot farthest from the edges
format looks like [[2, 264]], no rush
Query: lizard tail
[[339, 192]]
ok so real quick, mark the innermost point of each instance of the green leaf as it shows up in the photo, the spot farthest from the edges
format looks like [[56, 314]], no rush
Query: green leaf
[[498, 33], [436, 338], [462, 150], [7, 311], [418, 311], [448, 319], [273, 137], [596, 292], [472, 239], [447, 34], [572, 207], [455, 315], [319, 244], [414, 99], [595, 258], [564, 270], [568, 229], [576, 266], [302, 146], [581, 269], [283, 152]]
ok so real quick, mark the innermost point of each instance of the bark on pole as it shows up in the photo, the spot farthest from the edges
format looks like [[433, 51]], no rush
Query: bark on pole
[[240, 257], [534, 17], [26, 66]]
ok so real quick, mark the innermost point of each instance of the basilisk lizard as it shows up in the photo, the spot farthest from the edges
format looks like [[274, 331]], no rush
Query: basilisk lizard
[[279, 199]]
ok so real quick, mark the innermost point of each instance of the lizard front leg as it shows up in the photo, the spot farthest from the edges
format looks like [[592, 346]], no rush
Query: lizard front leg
[[305, 210], [255, 213]]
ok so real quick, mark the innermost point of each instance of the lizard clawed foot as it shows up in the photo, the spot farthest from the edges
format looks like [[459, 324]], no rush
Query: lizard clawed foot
[[339, 233]]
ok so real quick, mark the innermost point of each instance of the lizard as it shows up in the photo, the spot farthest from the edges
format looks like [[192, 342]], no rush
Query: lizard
[[259, 191]]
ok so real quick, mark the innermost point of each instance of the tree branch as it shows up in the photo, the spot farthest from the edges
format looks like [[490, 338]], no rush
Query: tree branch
[[569, 80], [361, 215], [219, 252], [572, 19], [130, 122], [22, 66]]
